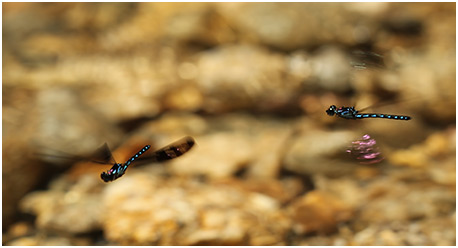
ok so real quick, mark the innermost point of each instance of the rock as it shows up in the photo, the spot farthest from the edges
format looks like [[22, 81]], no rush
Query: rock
[[75, 209], [421, 233], [399, 201], [429, 156], [35, 241], [63, 121], [238, 76], [317, 152], [329, 68], [318, 212], [290, 26], [214, 148], [284, 190], [143, 209]]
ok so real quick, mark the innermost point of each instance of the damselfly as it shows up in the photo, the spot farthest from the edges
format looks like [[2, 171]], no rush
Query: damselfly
[[168, 152], [103, 155], [352, 113]]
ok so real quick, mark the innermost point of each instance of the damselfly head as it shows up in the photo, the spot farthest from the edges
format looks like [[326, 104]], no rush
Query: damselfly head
[[111, 174], [331, 110], [106, 177]]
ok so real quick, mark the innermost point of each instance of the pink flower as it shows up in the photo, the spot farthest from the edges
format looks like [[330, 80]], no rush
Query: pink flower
[[365, 149]]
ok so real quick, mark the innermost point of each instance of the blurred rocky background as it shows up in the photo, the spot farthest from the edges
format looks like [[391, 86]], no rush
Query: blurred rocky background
[[251, 83]]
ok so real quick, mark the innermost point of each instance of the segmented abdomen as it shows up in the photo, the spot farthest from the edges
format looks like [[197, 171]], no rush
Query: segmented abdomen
[[137, 155], [394, 117]]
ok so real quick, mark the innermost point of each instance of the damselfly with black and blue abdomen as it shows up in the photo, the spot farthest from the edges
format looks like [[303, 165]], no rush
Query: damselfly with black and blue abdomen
[[103, 156], [168, 152], [352, 113]]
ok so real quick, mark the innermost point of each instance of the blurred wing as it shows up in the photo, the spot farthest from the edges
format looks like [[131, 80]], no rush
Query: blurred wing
[[168, 152], [381, 104], [366, 59], [101, 156]]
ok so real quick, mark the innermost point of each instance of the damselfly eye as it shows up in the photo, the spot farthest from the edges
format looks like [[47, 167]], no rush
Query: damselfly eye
[[332, 110]]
